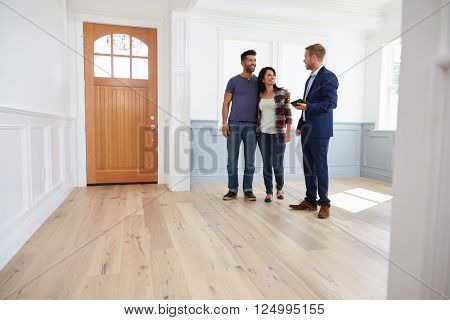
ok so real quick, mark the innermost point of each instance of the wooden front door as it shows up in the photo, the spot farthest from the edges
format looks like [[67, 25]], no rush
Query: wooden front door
[[121, 104]]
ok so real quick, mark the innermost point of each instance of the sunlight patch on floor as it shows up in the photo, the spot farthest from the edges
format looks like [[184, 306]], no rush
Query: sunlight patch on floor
[[358, 199], [369, 195], [350, 203]]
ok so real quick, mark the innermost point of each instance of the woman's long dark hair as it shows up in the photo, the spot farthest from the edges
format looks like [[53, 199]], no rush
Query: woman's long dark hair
[[262, 74]]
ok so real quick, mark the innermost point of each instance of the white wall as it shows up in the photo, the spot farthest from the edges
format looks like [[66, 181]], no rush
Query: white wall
[[42, 107], [34, 65], [37, 136], [134, 8], [207, 37], [389, 30], [420, 241], [204, 64]]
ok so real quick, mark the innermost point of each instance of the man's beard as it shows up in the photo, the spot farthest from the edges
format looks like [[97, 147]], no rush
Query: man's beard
[[250, 69]]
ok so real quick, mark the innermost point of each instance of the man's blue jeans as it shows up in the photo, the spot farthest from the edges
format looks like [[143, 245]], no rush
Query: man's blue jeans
[[246, 132]]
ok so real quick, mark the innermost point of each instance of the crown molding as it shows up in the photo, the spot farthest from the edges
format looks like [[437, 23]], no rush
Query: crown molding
[[366, 8], [394, 6], [293, 17], [368, 16], [269, 23], [183, 5]]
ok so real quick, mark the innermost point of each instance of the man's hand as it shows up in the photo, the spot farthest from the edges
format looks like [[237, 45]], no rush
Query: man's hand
[[300, 106], [287, 137], [298, 132], [225, 130]]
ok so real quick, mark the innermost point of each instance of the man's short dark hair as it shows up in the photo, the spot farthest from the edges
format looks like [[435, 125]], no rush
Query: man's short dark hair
[[248, 53]]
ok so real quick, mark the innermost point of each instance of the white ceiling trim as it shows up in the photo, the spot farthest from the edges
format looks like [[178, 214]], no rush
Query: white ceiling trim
[[326, 22], [342, 16], [183, 5], [369, 8]]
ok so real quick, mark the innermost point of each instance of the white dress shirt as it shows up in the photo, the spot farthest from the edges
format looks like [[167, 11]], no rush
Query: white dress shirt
[[308, 87]]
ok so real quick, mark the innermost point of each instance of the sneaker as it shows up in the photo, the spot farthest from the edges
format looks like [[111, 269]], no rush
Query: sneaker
[[229, 196], [249, 196]]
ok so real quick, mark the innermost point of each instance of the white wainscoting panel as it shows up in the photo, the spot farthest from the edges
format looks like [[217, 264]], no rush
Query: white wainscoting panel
[[36, 173], [55, 146], [40, 166], [68, 145], [13, 173]]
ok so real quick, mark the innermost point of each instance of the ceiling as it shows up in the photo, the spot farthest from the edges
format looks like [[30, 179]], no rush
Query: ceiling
[[359, 14], [361, 7]]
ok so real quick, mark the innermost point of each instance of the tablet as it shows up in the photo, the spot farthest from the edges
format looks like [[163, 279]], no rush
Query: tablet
[[298, 101]]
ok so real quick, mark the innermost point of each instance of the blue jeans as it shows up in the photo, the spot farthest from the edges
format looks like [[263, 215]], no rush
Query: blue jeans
[[246, 132], [315, 166], [272, 148]]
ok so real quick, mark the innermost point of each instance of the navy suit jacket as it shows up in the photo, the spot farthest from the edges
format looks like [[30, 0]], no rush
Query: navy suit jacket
[[321, 101]]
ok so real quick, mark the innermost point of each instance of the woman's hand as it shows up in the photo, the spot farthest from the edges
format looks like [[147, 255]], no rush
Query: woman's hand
[[287, 137], [287, 96], [298, 132]]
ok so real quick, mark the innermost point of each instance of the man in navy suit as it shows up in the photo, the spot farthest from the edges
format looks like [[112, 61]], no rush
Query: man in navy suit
[[316, 128]]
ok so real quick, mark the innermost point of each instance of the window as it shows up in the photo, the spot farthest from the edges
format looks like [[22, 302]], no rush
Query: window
[[390, 76], [291, 71], [120, 56]]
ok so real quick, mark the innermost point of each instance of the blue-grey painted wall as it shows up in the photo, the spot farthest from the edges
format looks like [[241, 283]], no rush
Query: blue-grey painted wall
[[377, 153], [355, 150]]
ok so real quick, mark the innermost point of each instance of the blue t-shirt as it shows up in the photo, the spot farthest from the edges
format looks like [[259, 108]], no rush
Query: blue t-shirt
[[245, 98]]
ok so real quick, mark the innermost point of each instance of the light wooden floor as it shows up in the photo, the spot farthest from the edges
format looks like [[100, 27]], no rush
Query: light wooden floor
[[143, 242]]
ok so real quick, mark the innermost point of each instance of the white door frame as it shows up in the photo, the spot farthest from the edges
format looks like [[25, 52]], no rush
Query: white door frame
[[77, 78], [420, 241]]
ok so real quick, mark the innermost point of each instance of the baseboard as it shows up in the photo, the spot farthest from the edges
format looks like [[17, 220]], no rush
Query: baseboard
[[376, 175], [17, 234], [180, 183], [198, 178]]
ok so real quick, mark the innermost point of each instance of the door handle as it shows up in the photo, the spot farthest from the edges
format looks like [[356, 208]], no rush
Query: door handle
[[152, 126]]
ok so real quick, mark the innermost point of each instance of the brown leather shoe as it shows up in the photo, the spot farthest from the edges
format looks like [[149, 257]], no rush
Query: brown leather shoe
[[324, 212], [304, 205]]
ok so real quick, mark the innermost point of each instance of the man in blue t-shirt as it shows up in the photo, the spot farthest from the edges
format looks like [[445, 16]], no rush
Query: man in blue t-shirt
[[242, 93]]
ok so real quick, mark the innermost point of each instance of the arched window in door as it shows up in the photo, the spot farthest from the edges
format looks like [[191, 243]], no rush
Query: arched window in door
[[120, 56]]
